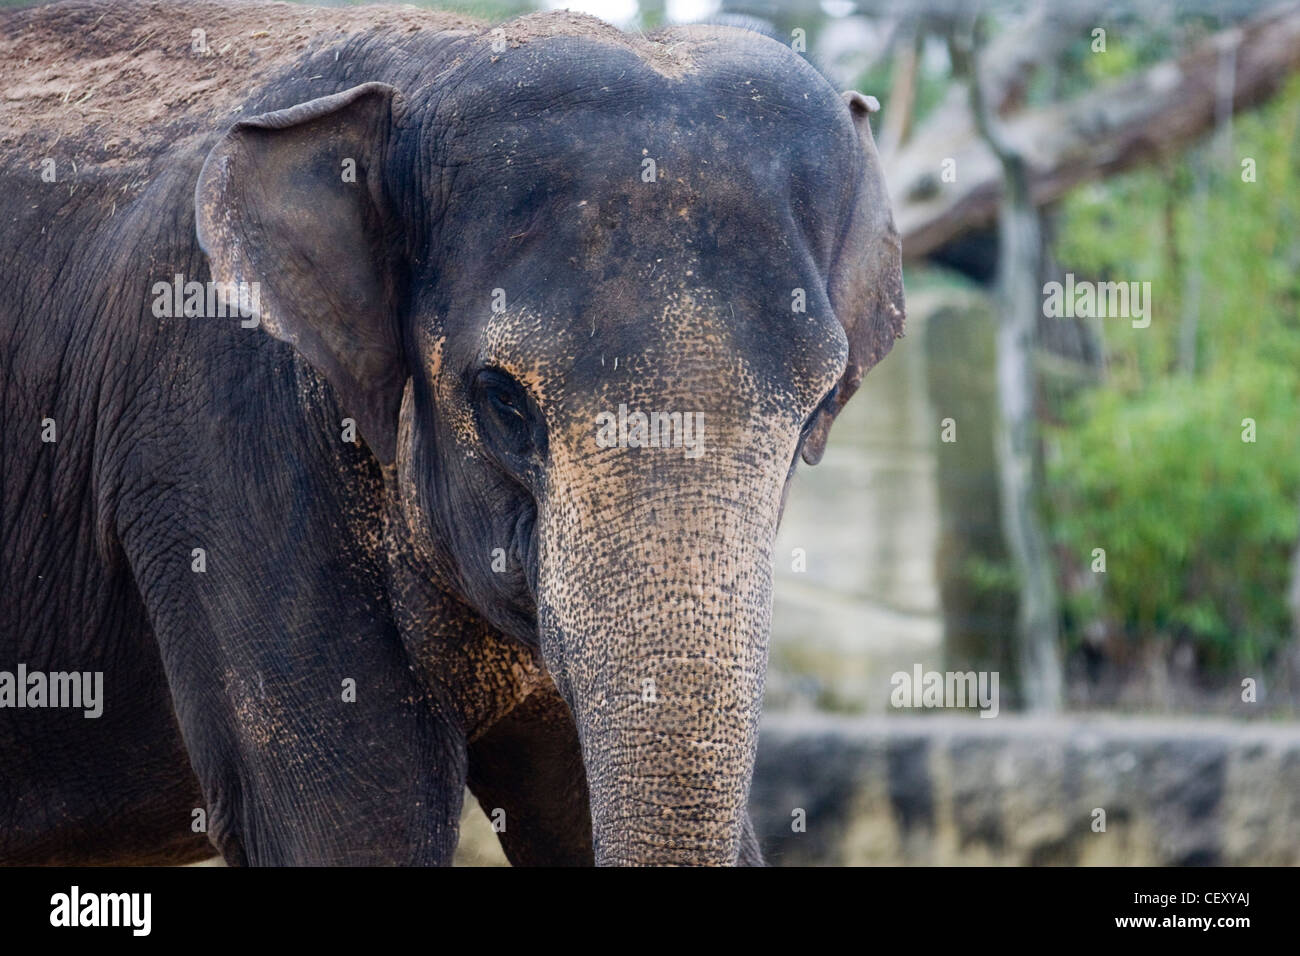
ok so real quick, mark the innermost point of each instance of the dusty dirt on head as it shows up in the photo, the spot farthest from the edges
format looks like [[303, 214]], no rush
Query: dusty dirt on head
[[120, 75], [668, 57]]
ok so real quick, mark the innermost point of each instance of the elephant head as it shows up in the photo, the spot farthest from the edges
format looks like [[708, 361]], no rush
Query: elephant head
[[591, 298]]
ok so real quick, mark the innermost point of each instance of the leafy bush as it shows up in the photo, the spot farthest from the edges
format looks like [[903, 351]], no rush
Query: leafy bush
[[1199, 527]]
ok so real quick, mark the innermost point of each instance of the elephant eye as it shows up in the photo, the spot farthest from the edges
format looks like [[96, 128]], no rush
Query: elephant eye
[[825, 405], [504, 401], [509, 421]]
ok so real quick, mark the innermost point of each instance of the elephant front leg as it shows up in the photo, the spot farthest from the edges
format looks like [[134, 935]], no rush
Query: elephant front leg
[[526, 771], [311, 739], [340, 764]]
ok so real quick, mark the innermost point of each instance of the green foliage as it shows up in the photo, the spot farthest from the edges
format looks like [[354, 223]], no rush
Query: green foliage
[[991, 576], [1199, 526]]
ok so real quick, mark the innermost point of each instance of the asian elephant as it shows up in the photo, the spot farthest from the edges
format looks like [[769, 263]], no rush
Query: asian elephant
[[394, 403]]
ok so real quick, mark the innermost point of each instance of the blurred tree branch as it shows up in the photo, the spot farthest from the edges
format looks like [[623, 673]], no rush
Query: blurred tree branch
[[902, 91], [1112, 128]]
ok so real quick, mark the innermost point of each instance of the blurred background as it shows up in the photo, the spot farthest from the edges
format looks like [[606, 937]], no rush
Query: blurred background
[[1102, 509]]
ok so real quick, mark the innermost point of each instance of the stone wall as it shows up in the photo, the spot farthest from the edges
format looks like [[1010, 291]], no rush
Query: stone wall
[[1014, 790], [1023, 791]]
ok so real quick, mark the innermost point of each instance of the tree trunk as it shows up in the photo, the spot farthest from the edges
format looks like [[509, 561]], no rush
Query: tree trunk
[[1020, 270]]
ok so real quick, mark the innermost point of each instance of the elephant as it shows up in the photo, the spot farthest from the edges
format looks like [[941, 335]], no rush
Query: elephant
[[396, 404]]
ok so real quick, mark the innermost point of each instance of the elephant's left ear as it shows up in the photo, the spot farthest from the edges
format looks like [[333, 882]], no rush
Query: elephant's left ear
[[866, 281], [295, 202]]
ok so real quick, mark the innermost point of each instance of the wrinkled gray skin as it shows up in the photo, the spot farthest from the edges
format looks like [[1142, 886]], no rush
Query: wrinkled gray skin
[[579, 632]]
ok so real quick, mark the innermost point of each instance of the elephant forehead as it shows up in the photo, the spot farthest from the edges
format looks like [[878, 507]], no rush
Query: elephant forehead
[[585, 109], [645, 234], [557, 59], [529, 35]]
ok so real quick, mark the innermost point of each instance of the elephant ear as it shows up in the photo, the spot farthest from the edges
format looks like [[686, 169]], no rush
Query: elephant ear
[[293, 200], [866, 280]]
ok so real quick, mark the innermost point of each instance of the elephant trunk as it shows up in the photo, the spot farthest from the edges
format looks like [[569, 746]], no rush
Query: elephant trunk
[[655, 610]]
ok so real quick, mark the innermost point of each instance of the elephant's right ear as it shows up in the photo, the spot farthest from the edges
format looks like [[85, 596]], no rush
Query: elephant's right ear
[[294, 201]]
